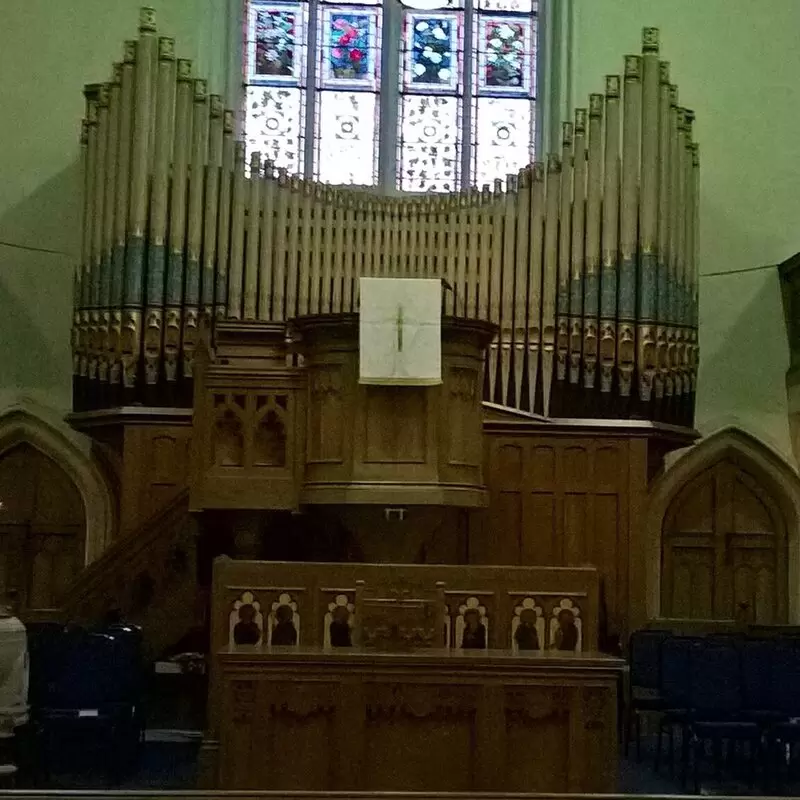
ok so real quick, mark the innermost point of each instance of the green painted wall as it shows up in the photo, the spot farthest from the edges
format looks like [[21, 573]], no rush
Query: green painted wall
[[48, 50], [736, 62]]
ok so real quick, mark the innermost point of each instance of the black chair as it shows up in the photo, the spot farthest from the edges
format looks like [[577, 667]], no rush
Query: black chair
[[676, 656], [644, 681], [718, 705]]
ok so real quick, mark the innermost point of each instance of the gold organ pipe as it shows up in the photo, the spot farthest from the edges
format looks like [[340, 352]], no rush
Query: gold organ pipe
[[564, 252], [649, 217], [109, 199], [176, 264], [522, 249], [550, 277], [663, 287], [577, 253], [216, 145], [159, 209], [609, 276], [629, 265], [250, 286], [534, 310], [591, 277], [236, 264], [137, 211]]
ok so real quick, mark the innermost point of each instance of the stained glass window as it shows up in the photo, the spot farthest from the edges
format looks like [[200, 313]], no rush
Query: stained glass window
[[430, 101]]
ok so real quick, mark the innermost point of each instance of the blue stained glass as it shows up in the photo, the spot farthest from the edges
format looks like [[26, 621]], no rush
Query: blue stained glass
[[350, 46], [432, 56]]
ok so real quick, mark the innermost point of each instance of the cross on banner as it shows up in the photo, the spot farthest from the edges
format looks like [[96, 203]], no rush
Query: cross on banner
[[400, 331]]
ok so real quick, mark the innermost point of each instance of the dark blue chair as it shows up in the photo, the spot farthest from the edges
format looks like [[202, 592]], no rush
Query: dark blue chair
[[676, 659], [92, 692], [718, 704], [644, 680], [784, 733]]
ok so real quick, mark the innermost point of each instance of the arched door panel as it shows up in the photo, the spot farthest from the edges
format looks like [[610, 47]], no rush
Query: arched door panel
[[724, 549], [42, 528]]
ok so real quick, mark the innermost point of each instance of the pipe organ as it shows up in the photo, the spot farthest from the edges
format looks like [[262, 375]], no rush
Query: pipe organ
[[585, 261]]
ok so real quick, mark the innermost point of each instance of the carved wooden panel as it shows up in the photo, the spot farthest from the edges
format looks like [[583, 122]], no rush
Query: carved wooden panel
[[155, 469], [325, 414], [485, 603], [347, 721], [562, 501], [395, 424], [724, 550], [464, 417]]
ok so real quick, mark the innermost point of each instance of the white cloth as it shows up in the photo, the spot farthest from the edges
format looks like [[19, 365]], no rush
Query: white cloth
[[400, 331], [13, 674]]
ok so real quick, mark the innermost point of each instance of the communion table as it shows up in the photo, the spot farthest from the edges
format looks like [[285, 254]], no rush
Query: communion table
[[311, 718]]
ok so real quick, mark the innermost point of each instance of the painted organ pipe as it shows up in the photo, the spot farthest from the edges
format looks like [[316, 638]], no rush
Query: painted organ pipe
[[586, 260]]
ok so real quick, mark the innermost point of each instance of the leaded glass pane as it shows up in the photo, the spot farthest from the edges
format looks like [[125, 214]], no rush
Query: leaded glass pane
[[274, 124], [432, 51], [503, 137], [522, 6], [429, 143], [276, 43], [346, 151], [505, 55], [351, 47]]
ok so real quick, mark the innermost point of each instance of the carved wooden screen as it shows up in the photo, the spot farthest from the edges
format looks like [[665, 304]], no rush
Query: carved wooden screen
[[42, 528], [724, 550]]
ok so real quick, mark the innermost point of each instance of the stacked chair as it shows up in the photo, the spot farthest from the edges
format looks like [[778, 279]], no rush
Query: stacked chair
[[86, 686], [724, 695]]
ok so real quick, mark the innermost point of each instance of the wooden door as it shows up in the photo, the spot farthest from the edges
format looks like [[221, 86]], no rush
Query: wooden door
[[42, 528], [724, 550]]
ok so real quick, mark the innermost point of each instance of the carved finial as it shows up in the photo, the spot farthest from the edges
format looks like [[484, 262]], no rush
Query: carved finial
[[84, 131], [566, 134], [166, 48], [633, 68], [129, 51], [147, 19], [227, 121], [215, 105], [673, 95], [649, 40], [498, 186], [663, 71], [184, 69], [612, 85], [695, 154], [538, 171], [596, 105], [102, 94], [553, 162], [580, 120], [199, 90], [116, 73], [239, 152]]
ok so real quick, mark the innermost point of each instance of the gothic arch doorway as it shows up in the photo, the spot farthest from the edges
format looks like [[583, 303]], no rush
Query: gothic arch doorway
[[58, 509], [42, 528], [723, 523]]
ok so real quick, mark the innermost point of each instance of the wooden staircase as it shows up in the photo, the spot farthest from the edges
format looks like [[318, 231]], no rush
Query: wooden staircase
[[149, 576]]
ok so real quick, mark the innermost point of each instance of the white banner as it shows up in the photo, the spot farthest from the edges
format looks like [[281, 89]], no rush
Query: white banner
[[400, 331]]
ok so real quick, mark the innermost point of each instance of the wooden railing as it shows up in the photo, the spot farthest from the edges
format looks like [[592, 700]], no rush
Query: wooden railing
[[148, 575], [585, 260]]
